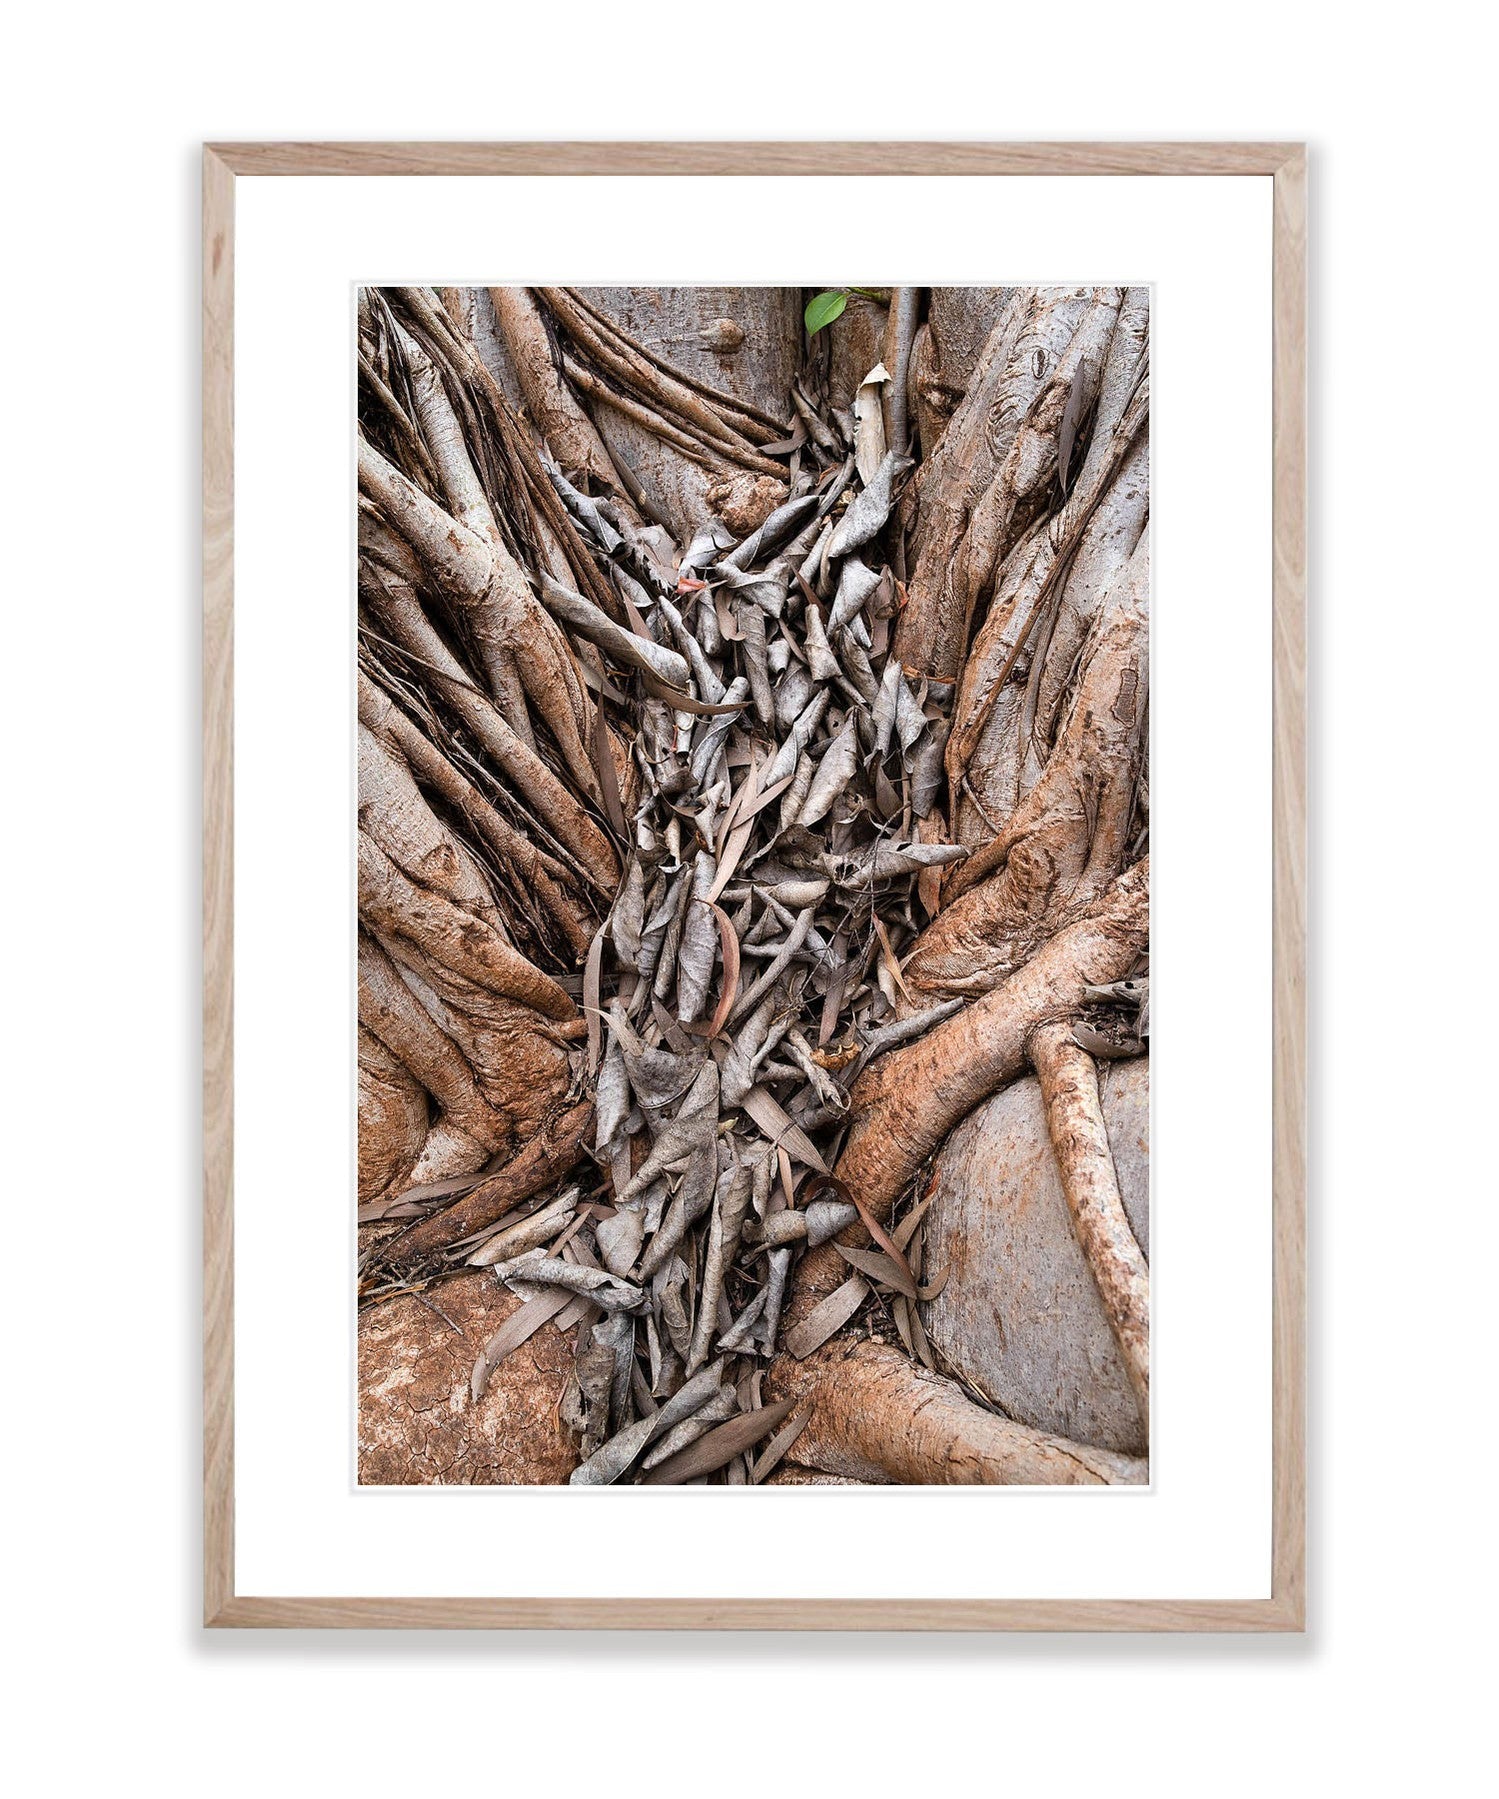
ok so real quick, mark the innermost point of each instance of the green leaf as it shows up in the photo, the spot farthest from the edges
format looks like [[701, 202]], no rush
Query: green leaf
[[823, 309]]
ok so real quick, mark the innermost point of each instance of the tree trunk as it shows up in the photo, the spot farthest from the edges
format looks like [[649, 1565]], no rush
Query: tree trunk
[[752, 794]]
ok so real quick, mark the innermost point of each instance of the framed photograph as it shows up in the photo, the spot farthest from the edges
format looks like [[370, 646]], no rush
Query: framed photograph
[[754, 885]]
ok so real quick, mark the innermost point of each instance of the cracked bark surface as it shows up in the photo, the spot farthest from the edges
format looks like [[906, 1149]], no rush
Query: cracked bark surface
[[417, 1423]]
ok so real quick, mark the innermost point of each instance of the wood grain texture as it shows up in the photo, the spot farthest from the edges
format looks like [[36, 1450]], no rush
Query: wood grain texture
[[218, 885], [754, 159], [1228, 1615], [1285, 1609], [1288, 797]]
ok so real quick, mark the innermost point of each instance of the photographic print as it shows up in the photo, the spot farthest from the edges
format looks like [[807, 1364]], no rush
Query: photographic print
[[753, 885]]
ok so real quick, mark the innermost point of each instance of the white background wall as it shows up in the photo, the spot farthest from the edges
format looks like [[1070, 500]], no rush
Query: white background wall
[[117, 1685]]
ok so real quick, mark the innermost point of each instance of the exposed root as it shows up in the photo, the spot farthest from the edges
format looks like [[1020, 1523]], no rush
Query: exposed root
[[996, 460], [729, 426], [390, 1011], [555, 412], [900, 334], [1074, 1115], [521, 647], [516, 614], [392, 1118], [521, 494], [1069, 836], [876, 1415], [415, 881], [552, 1152], [556, 806], [908, 1101], [538, 887], [1023, 665]]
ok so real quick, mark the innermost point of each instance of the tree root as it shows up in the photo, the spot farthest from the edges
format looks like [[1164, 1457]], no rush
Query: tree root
[[534, 880], [694, 446], [464, 922], [900, 333], [995, 461], [528, 492], [416, 881], [908, 1101], [552, 1152], [709, 421], [562, 422], [391, 1012], [554, 802], [392, 1118], [876, 1415], [1074, 1116], [518, 640], [1068, 837]]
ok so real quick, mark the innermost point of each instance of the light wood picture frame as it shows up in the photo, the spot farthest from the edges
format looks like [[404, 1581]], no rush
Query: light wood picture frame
[[1285, 164]]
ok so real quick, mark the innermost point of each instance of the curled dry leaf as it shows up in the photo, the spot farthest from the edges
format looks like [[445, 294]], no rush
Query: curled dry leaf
[[720, 1445], [828, 1316]]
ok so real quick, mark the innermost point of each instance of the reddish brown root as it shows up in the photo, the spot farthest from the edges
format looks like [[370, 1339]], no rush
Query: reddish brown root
[[454, 937], [549, 1155], [905, 1105], [876, 1415], [390, 1012], [392, 1118], [1074, 1116]]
